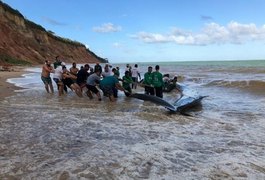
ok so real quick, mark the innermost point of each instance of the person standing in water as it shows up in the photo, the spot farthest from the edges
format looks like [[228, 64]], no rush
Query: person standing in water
[[67, 80], [107, 85], [107, 71], [148, 80], [135, 75], [57, 77], [91, 83], [126, 83], [98, 67], [57, 62], [82, 76], [158, 82], [46, 78], [74, 70]]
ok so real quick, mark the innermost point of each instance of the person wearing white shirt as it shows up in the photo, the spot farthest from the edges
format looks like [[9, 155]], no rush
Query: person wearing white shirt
[[57, 77], [106, 72], [135, 75]]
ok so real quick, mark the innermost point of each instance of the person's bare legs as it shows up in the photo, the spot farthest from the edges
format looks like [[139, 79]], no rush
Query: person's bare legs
[[47, 87], [98, 95], [77, 90], [89, 94], [51, 87], [111, 98], [60, 89]]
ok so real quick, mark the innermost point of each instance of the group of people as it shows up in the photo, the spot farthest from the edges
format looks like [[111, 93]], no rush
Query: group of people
[[153, 82], [78, 79], [107, 79]]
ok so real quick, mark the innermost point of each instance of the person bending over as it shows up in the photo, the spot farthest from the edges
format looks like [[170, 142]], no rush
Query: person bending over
[[67, 80], [107, 85], [82, 76], [91, 83]]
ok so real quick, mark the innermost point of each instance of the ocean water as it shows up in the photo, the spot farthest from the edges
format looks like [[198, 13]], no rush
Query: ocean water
[[44, 136]]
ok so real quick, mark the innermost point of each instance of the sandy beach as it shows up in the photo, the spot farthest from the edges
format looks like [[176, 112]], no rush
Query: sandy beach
[[8, 89], [46, 136]]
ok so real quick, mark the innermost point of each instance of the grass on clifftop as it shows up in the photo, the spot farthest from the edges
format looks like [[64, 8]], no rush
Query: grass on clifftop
[[4, 59]]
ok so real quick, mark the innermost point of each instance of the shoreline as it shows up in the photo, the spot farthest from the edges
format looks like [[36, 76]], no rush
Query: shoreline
[[8, 89]]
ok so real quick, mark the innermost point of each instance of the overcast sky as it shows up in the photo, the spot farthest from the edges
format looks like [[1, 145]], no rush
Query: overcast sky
[[156, 30]]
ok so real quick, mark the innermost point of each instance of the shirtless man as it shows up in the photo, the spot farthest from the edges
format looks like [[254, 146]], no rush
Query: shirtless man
[[45, 76], [74, 70]]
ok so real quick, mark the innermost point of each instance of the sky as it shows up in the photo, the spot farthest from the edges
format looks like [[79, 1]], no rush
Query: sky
[[155, 30]]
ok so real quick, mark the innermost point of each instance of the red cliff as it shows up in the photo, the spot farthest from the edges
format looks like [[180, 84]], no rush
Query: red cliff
[[24, 42]]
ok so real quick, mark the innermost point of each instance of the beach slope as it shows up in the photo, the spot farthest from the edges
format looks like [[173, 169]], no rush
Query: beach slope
[[8, 89]]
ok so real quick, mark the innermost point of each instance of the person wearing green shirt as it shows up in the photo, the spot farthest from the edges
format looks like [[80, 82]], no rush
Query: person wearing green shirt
[[158, 82], [126, 83], [57, 62], [148, 79], [117, 72]]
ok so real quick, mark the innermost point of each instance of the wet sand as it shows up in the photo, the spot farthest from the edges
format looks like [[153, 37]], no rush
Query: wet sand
[[44, 136], [8, 89]]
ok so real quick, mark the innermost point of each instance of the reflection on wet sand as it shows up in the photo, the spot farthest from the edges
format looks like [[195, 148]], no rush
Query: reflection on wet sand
[[48, 137]]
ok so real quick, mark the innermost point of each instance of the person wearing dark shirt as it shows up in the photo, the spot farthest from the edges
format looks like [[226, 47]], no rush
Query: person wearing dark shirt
[[98, 68], [67, 80], [82, 76], [57, 62]]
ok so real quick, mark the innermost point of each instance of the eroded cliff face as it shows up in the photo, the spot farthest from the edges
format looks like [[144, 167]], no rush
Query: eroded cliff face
[[24, 41]]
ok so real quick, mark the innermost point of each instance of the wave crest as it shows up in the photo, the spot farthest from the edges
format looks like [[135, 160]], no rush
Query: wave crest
[[253, 86]]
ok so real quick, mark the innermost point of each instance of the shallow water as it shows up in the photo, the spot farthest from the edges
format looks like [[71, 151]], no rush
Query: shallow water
[[44, 136]]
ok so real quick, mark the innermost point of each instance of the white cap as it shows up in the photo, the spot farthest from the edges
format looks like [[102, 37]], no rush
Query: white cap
[[63, 63]]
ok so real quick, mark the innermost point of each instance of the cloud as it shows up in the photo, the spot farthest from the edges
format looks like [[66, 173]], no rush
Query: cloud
[[124, 15], [53, 22], [212, 33], [78, 27], [117, 45], [206, 18], [123, 48], [106, 28]]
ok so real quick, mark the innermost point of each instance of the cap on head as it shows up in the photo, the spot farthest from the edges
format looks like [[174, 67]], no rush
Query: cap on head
[[63, 63]]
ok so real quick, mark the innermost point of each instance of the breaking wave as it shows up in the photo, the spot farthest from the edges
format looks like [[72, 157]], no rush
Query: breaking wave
[[252, 86]]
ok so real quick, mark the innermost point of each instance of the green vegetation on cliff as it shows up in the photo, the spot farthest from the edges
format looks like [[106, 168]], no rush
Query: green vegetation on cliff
[[31, 25], [100, 58], [5, 59]]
